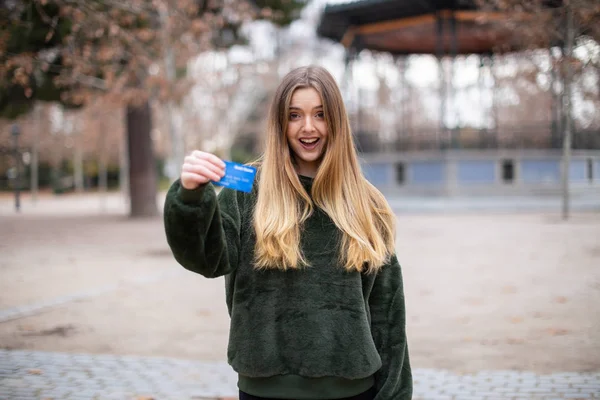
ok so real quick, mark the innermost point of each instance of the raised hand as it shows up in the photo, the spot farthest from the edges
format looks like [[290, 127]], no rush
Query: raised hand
[[199, 168]]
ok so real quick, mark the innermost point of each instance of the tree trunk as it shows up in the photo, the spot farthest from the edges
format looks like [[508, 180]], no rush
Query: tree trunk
[[78, 165], [37, 115], [142, 169], [567, 110], [102, 167]]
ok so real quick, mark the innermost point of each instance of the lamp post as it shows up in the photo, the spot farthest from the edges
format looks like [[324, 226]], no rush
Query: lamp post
[[15, 131]]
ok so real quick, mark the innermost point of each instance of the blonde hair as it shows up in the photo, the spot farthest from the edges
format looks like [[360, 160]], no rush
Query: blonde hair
[[356, 207]]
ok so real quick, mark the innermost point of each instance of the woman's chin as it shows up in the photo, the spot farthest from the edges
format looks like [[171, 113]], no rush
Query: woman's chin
[[310, 159]]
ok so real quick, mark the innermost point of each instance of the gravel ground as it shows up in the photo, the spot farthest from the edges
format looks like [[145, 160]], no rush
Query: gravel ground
[[509, 291]]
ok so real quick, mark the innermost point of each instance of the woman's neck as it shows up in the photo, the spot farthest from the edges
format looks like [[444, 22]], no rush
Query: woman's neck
[[306, 169]]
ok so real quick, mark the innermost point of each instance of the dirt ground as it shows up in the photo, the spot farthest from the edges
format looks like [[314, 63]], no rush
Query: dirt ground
[[503, 291]]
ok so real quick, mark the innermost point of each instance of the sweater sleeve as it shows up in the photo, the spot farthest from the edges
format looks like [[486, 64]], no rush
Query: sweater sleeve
[[388, 324], [203, 230]]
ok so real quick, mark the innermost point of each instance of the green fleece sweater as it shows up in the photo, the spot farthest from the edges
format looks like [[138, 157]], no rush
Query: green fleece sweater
[[318, 332]]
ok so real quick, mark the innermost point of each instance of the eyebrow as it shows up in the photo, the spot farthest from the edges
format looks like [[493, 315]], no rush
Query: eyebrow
[[298, 108]]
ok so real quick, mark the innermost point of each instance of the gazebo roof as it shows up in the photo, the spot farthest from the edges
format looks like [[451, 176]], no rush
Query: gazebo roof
[[402, 27]]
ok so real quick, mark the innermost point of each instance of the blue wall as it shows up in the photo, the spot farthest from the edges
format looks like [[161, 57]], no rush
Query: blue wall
[[379, 174], [426, 172], [578, 170], [538, 171], [472, 172]]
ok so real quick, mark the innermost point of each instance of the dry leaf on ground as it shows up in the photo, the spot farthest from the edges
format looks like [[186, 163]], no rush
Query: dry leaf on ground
[[560, 299], [35, 371], [509, 289], [557, 331], [28, 328], [515, 320]]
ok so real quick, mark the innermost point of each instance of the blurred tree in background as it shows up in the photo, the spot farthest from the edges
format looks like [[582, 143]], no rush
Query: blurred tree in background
[[541, 23], [128, 52], [565, 26], [569, 31], [280, 12]]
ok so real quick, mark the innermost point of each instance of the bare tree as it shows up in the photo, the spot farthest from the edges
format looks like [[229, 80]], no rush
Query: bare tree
[[564, 24], [74, 50]]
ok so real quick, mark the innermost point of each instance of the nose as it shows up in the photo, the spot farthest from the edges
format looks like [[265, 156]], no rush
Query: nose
[[308, 124]]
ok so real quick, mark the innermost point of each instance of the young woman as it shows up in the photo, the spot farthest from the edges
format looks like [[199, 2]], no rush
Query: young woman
[[313, 285]]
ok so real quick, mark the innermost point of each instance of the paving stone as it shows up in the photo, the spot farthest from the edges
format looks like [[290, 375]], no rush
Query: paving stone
[[587, 385], [81, 376]]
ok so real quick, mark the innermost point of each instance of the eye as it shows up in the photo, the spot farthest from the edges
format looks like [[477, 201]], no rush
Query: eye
[[320, 114], [294, 116]]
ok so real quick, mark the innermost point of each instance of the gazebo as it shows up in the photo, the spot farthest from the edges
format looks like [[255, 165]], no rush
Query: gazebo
[[403, 27], [444, 28], [447, 29]]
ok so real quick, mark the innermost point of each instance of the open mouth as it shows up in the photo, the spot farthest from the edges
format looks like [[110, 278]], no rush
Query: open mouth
[[309, 143]]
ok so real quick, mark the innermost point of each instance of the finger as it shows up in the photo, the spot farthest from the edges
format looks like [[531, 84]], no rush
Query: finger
[[202, 170], [187, 177], [207, 164], [209, 157]]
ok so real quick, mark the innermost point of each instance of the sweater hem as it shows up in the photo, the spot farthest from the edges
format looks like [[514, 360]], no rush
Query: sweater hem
[[303, 388]]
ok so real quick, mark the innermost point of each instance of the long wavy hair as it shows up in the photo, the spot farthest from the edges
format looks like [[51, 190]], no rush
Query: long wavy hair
[[339, 188]]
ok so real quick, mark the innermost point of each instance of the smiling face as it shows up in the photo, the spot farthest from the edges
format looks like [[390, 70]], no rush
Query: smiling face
[[306, 130]]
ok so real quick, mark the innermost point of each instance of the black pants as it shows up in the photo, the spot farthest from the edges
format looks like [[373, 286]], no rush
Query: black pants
[[368, 395]]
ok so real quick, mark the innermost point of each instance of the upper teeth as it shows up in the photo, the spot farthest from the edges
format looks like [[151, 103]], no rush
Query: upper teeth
[[308, 141]]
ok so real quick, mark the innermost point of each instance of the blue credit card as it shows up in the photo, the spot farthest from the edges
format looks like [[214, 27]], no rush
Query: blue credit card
[[237, 176]]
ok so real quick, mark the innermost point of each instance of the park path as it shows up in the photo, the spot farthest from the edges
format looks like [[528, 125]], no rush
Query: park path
[[27, 375]]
